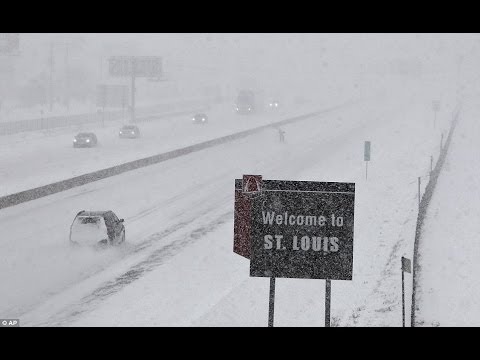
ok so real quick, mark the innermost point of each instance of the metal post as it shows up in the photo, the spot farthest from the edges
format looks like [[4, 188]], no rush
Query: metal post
[[67, 78], [403, 298], [366, 170], [419, 193], [133, 90], [441, 143], [431, 164], [328, 293], [271, 304], [51, 77], [123, 112]]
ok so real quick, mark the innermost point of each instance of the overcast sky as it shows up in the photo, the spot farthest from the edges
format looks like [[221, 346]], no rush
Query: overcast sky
[[270, 61]]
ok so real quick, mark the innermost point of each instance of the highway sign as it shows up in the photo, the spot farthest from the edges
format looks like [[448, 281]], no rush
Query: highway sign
[[366, 151], [295, 229], [139, 66]]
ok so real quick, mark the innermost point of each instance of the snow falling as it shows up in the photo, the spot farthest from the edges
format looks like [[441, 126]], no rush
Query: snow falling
[[124, 161]]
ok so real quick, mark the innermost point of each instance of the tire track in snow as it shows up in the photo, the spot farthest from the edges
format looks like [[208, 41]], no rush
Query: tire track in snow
[[152, 261]]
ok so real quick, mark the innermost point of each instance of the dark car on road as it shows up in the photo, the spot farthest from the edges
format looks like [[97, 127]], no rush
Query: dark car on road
[[97, 228], [129, 132], [200, 119], [85, 139]]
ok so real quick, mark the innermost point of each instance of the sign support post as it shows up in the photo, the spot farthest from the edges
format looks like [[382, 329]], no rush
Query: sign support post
[[328, 295], [133, 67], [271, 303], [403, 297], [406, 267]]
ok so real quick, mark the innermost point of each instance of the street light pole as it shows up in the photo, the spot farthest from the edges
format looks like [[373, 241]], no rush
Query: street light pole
[[67, 78], [51, 76], [133, 89]]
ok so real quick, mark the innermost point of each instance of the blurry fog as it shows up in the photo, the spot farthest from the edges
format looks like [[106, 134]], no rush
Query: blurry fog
[[281, 64]]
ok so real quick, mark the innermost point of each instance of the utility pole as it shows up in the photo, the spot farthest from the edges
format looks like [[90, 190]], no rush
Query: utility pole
[[134, 68], [101, 68], [51, 77], [67, 78]]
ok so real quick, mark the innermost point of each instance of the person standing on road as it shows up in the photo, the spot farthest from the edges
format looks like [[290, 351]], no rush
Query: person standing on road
[[281, 134]]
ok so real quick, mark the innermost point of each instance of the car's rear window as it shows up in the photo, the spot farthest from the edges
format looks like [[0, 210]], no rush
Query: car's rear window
[[96, 220], [89, 229]]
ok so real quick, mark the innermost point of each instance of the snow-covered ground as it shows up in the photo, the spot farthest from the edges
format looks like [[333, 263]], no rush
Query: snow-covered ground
[[178, 267], [448, 292], [33, 159], [11, 113]]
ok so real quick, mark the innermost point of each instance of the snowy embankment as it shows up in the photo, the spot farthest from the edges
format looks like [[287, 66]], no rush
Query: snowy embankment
[[179, 268], [448, 285], [12, 114]]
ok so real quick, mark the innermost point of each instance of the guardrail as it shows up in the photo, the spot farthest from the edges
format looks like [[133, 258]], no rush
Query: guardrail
[[43, 123], [42, 191], [423, 206]]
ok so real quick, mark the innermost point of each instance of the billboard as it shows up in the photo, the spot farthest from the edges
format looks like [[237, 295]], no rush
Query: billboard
[[139, 66]]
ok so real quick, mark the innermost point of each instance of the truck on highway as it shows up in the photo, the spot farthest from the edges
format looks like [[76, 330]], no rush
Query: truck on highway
[[249, 102]]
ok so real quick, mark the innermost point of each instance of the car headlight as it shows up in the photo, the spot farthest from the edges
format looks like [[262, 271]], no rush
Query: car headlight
[[120, 133], [276, 105], [203, 119], [193, 119], [88, 140], [133, 132], [248, 109], [74, 140]]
